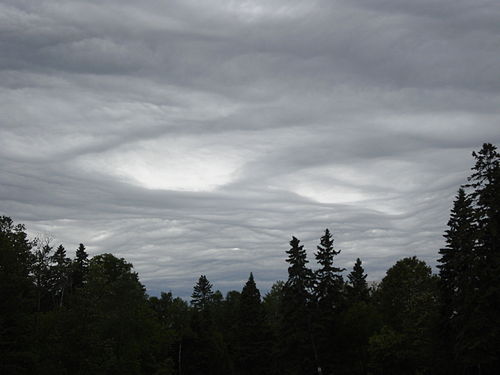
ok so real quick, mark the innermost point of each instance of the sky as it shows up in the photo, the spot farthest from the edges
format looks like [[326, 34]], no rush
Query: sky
[[196, 137]]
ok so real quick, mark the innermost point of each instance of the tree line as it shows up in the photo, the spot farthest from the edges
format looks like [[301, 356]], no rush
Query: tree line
[[91, 315]]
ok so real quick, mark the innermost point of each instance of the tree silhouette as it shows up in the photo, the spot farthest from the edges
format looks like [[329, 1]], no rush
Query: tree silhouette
[[80, 267], [357, 287], [252, 331], [202, 294], [296, 332], [328, 280]]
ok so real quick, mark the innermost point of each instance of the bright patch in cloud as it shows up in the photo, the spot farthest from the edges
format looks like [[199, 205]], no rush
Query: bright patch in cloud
[[184, 165]]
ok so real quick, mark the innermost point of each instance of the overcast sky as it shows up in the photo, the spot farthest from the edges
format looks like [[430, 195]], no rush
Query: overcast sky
[[196, 137]]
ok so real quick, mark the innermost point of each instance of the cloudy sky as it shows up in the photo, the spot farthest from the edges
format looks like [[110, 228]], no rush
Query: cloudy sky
[[196, 137]]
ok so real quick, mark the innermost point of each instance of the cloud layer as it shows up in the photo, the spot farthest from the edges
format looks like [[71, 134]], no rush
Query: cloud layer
[[196, 137]]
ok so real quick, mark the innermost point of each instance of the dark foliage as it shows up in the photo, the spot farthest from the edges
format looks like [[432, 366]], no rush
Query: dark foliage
[[470, 270]]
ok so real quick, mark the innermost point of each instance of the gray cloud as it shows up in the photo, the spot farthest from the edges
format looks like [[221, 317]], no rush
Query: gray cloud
[[196, 137]]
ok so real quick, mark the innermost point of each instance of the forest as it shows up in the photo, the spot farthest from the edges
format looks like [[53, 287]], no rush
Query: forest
[[62, 314]]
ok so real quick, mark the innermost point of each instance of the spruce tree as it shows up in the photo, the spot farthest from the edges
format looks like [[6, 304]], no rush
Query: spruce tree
[[207, 346], [250, 302], [80, 267], [470, 268], [300, 277], [355, 324], [252, 331], [202, 294], [456, 268], [298, 354], [59, 275], [328, 290], [328, 280], [485, 185], [357, 287]]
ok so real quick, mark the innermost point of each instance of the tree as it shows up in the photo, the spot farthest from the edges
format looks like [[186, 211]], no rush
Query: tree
[[80, 267], [483, 350], [457, 271], [470, 268], [59, 275], [252, 332], [173, 315], [355, 324], [298, 352], [273, 306], [357, 287], [110, 328], [41, 271], [327, 300], [272, 303], [300, 277], [205, 351], [17, 299], [408, 301], [202, 294], [328, 280]]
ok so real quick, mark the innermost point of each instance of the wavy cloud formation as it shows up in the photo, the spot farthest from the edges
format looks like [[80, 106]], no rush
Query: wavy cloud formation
[[196, 137]]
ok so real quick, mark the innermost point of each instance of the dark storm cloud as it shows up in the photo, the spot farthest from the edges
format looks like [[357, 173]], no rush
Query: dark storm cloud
[[196, 137]]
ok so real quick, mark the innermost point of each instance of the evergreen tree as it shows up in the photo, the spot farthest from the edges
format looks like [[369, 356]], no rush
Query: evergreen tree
[[252, 332], [483, 350], [328, 298], [355, 324], [250, 303], [59, 275], [328, 280], [273, 310], [300, 277], [457, 271], [357, 287], [470, 268], [298, 354], [80, 267], [202, 294], [17, 299], [205, 352], [272, 303]]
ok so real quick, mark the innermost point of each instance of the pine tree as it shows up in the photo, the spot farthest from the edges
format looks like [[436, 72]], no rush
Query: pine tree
[[357, 287]]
